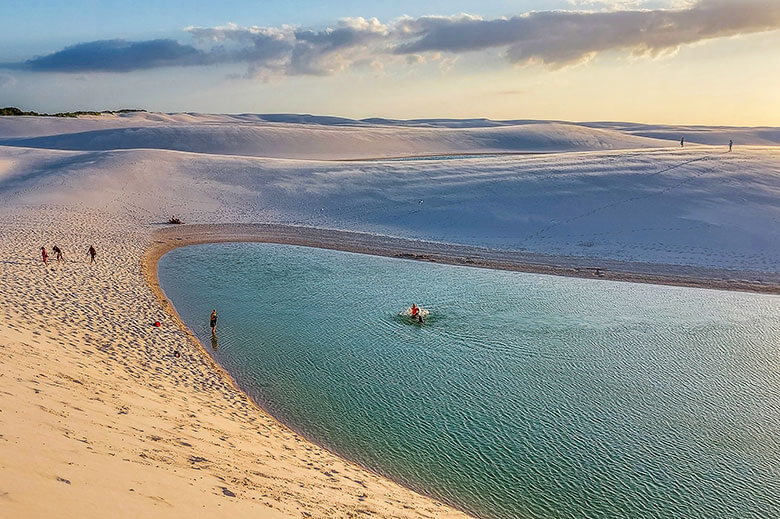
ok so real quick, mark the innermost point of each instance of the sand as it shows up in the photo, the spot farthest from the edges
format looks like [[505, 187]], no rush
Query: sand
[[98, 418], [171, 237], [97, 415]]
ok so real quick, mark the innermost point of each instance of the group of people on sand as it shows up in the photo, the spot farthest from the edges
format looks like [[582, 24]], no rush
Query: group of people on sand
[[58, 252]]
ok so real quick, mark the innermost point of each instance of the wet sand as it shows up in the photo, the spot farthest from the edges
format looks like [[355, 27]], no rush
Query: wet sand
[[168, 238]]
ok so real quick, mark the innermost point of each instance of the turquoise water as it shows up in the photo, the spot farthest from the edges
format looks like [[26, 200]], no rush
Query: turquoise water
[[522, 395]]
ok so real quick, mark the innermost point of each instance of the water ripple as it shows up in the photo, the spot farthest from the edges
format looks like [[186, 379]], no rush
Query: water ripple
[[521, 395]]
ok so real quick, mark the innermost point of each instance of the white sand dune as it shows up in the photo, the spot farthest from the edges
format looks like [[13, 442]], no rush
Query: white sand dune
[[713, 135], [697, 206], [536, 135], [341, 142], [97, 417]]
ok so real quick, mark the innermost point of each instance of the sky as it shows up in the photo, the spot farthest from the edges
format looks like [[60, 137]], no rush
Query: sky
[[713, 62]]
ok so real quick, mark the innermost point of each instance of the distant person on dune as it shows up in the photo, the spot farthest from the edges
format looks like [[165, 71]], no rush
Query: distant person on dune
[[682, 142], [45, 256], [213, 322], [92, 253], [58, 252], [731, 144]]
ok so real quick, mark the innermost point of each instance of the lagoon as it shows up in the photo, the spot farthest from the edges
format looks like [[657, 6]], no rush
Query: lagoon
[[522, 395]]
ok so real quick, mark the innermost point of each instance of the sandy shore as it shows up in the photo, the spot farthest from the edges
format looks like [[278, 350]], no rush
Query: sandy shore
[[99, 418], [168, 238]]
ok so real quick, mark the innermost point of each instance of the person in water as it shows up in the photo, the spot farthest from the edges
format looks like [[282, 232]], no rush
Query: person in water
[[213, 322], [416, 313], [45, 256], [58, 252], [92, 253]]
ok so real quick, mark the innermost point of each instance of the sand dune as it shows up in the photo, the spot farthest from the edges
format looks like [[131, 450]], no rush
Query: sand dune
[[697, 206], [340, 142], [507, 135], [97, 417], [714, 135]]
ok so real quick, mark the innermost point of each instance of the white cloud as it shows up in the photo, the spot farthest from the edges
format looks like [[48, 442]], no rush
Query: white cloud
[[552, 38]]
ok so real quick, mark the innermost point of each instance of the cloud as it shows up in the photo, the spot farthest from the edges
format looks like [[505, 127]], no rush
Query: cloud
[[117, 56], [554, 38], [612, 5], [564, 37], [291, 51]]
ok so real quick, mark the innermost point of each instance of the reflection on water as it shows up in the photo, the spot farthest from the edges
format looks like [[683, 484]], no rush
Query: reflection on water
[[214, 343], [521, 395]]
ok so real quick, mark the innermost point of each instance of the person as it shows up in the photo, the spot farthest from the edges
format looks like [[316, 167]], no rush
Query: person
[[415, 310], [45, 256], [92, 254], [419, 318], [213, 322], [58, 252], [731, 144], [682, 141]]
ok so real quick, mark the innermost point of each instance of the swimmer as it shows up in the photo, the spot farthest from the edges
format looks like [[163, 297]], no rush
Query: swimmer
[[213, 322]]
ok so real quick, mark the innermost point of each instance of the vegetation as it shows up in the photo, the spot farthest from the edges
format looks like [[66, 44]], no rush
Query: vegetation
[[12, 110]]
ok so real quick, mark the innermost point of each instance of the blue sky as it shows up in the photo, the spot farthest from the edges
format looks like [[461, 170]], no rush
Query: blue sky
[[568, 59]]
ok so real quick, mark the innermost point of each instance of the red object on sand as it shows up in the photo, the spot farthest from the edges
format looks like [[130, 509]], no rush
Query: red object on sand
[[157, 323]]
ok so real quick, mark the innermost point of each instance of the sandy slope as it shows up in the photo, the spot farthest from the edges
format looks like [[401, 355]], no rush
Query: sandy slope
[[97, 416], [341, 142], [697, 206]]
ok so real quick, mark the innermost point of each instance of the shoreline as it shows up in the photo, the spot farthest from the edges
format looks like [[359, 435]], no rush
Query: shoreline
[[155, 250], [174, 236]]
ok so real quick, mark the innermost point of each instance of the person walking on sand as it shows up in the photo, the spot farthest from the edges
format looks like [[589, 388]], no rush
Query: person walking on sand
[[213, 322], [731, 144], [92, 253], [682, 141], [45, 256], [58, 252]]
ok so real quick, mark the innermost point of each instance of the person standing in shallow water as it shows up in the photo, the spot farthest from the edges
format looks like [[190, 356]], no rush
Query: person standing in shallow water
[[92, 253], [731, 144], [213, 322], [45, 256], [682, 142]]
